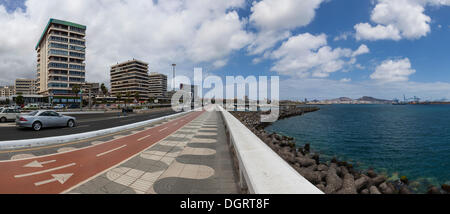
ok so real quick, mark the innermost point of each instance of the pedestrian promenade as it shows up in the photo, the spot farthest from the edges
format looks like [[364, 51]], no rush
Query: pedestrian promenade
[[195, 159]]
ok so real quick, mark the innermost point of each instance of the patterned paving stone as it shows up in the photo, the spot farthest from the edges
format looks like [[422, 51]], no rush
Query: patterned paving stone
[[195, 159]]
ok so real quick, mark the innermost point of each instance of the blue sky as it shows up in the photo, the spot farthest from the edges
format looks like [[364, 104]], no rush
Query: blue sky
[[403, 56]]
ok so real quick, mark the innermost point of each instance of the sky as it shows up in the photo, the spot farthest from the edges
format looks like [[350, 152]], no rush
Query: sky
[[320, 49]]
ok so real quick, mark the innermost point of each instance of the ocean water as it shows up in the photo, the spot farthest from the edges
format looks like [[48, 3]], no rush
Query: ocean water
[[396, 140]]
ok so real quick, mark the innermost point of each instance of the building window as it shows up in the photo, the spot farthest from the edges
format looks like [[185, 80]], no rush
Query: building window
[[76, 73], [77, 67], [58, 39], [57, 45], [80, 55], [57, 85], [76, 48], [58, 65], [76, 29], [58, 52], [77, 42]]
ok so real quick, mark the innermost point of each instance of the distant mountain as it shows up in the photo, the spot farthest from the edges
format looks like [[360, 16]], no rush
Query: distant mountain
[[362, 100], [374, 100], [342, 99]]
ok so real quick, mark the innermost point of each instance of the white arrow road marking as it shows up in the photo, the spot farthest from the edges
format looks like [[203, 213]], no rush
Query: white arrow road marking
[[44, 171], [163, 129], [61, 178], [142, 138], [38, 164], [112, 150], [175, 124]]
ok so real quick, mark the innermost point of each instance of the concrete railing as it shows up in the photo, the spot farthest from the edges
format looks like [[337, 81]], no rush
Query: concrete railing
[[15, 144], [261, 170]]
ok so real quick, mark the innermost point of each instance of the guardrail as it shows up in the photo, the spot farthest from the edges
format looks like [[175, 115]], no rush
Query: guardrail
[[15, 144], [261, 170]]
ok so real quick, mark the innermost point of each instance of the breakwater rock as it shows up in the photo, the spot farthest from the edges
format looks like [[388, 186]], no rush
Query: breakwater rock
[[334, 177]]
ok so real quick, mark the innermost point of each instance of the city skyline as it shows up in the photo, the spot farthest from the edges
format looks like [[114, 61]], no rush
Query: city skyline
[[359, 53]]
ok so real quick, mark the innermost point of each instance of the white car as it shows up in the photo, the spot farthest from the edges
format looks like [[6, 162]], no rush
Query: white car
[[8, 114]]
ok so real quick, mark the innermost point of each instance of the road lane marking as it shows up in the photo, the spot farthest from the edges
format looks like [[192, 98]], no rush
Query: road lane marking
[[38, 164], [163, 129], [45, 171], [112, 150], [175, 124], [142, 138], [61, 178]]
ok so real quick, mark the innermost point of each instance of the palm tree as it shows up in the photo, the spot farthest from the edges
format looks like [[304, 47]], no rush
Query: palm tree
[[119, 96], [76, 89], [136, 96], [104, 89], [128, 95]]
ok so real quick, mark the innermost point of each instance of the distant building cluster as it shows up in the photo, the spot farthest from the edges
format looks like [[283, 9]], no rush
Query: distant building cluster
[[61, 56]]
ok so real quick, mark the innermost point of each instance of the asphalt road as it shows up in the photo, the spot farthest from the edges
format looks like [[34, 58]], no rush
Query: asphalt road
[[85, 123]]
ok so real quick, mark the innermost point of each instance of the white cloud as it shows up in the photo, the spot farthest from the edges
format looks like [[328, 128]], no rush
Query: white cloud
[[186, 32], [393, 71], [343, 36], [265, 40], [366, 31], [308, 55], [397, 19], [345, 80], [275, 18], [363, 49], [219, 37], [283, 14]]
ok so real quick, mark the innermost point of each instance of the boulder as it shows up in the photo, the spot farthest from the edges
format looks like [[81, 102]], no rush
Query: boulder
[[321, 187], [312, 167], [361, 183], [306, 148], [404, 190], [348, 185], [322, 167], [342, 163], [386, 189], [344, 171], [378, 180], [446, 188], [392, 186], [316, 157], [371, 173], [374, 190], [334, 160], [305, 162], [323, 175], [334, 182], [365, 192], [311, 176], [433, 190]]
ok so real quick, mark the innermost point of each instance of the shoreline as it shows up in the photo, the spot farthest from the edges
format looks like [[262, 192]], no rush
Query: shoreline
[[335, 177]]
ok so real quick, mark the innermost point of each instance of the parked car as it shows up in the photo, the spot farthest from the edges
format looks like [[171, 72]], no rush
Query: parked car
[[46, 106], [32, 106], [59, 106], [44, 119], [8, 114], [74, 106]]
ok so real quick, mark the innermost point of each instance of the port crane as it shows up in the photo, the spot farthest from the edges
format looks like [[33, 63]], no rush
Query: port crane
[[407, 100]]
